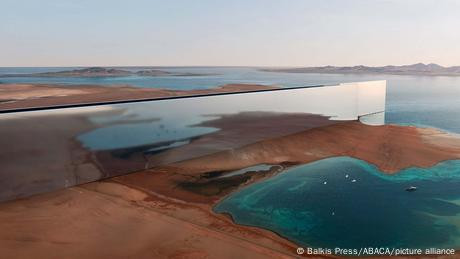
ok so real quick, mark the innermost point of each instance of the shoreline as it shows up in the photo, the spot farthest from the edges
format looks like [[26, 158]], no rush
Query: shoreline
[[182, 210], [230, 216], [284, 170], [141, 179], [341, 139], [148, 205], [225, 216]]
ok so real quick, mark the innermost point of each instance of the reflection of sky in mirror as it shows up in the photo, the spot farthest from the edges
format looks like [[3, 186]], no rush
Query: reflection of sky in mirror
[[175, 120]]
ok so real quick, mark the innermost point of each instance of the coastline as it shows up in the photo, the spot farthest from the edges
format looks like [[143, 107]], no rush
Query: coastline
[[146, 206], [306, 245], [137, 194], [142, 179]]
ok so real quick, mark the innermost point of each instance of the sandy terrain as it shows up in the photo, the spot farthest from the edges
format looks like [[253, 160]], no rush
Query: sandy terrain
[[108, 220], [14, 96], [389, 147], [16, 92], [166, 211], [241, 129]]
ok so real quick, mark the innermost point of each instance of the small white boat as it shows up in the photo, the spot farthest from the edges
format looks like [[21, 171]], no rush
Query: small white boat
[[411, 189], [353, 181]]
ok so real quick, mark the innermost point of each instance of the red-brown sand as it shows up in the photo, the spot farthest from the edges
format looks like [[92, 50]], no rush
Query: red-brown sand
[[13, 96], [389, 147], [166, 212], [109, 220]]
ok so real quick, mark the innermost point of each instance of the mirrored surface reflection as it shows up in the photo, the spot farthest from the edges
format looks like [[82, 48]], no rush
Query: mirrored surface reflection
[[57, 148]]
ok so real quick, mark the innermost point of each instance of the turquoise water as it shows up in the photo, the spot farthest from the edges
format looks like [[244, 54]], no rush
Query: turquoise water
[[319, 204]]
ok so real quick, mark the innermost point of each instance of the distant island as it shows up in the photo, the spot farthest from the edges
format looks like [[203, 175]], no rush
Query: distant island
[[103, 72], [415, 69]]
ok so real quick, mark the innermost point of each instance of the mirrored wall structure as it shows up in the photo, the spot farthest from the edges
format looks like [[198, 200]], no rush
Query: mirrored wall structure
[[56, 148]]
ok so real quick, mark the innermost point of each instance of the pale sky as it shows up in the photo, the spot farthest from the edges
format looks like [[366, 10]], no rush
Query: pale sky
[[228, 33]]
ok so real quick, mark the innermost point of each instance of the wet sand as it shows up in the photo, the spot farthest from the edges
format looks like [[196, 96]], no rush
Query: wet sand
[[14, 96]]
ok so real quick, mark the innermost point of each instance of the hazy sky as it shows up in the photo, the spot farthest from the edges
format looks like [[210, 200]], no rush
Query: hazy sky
[[223, 32]]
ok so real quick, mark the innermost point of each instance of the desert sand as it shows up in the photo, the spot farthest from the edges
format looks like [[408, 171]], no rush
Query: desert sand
[[391, 148], [109, 220], [166, 211], [15, 96]]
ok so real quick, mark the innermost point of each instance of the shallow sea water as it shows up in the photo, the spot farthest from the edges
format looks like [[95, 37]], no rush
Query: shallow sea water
[[348, 203]]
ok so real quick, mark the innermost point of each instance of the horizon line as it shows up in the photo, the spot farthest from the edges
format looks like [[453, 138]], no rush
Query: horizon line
[[222, 66]]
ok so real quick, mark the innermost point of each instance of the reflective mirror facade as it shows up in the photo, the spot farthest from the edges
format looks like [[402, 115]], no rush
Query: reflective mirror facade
[[57, 148]]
